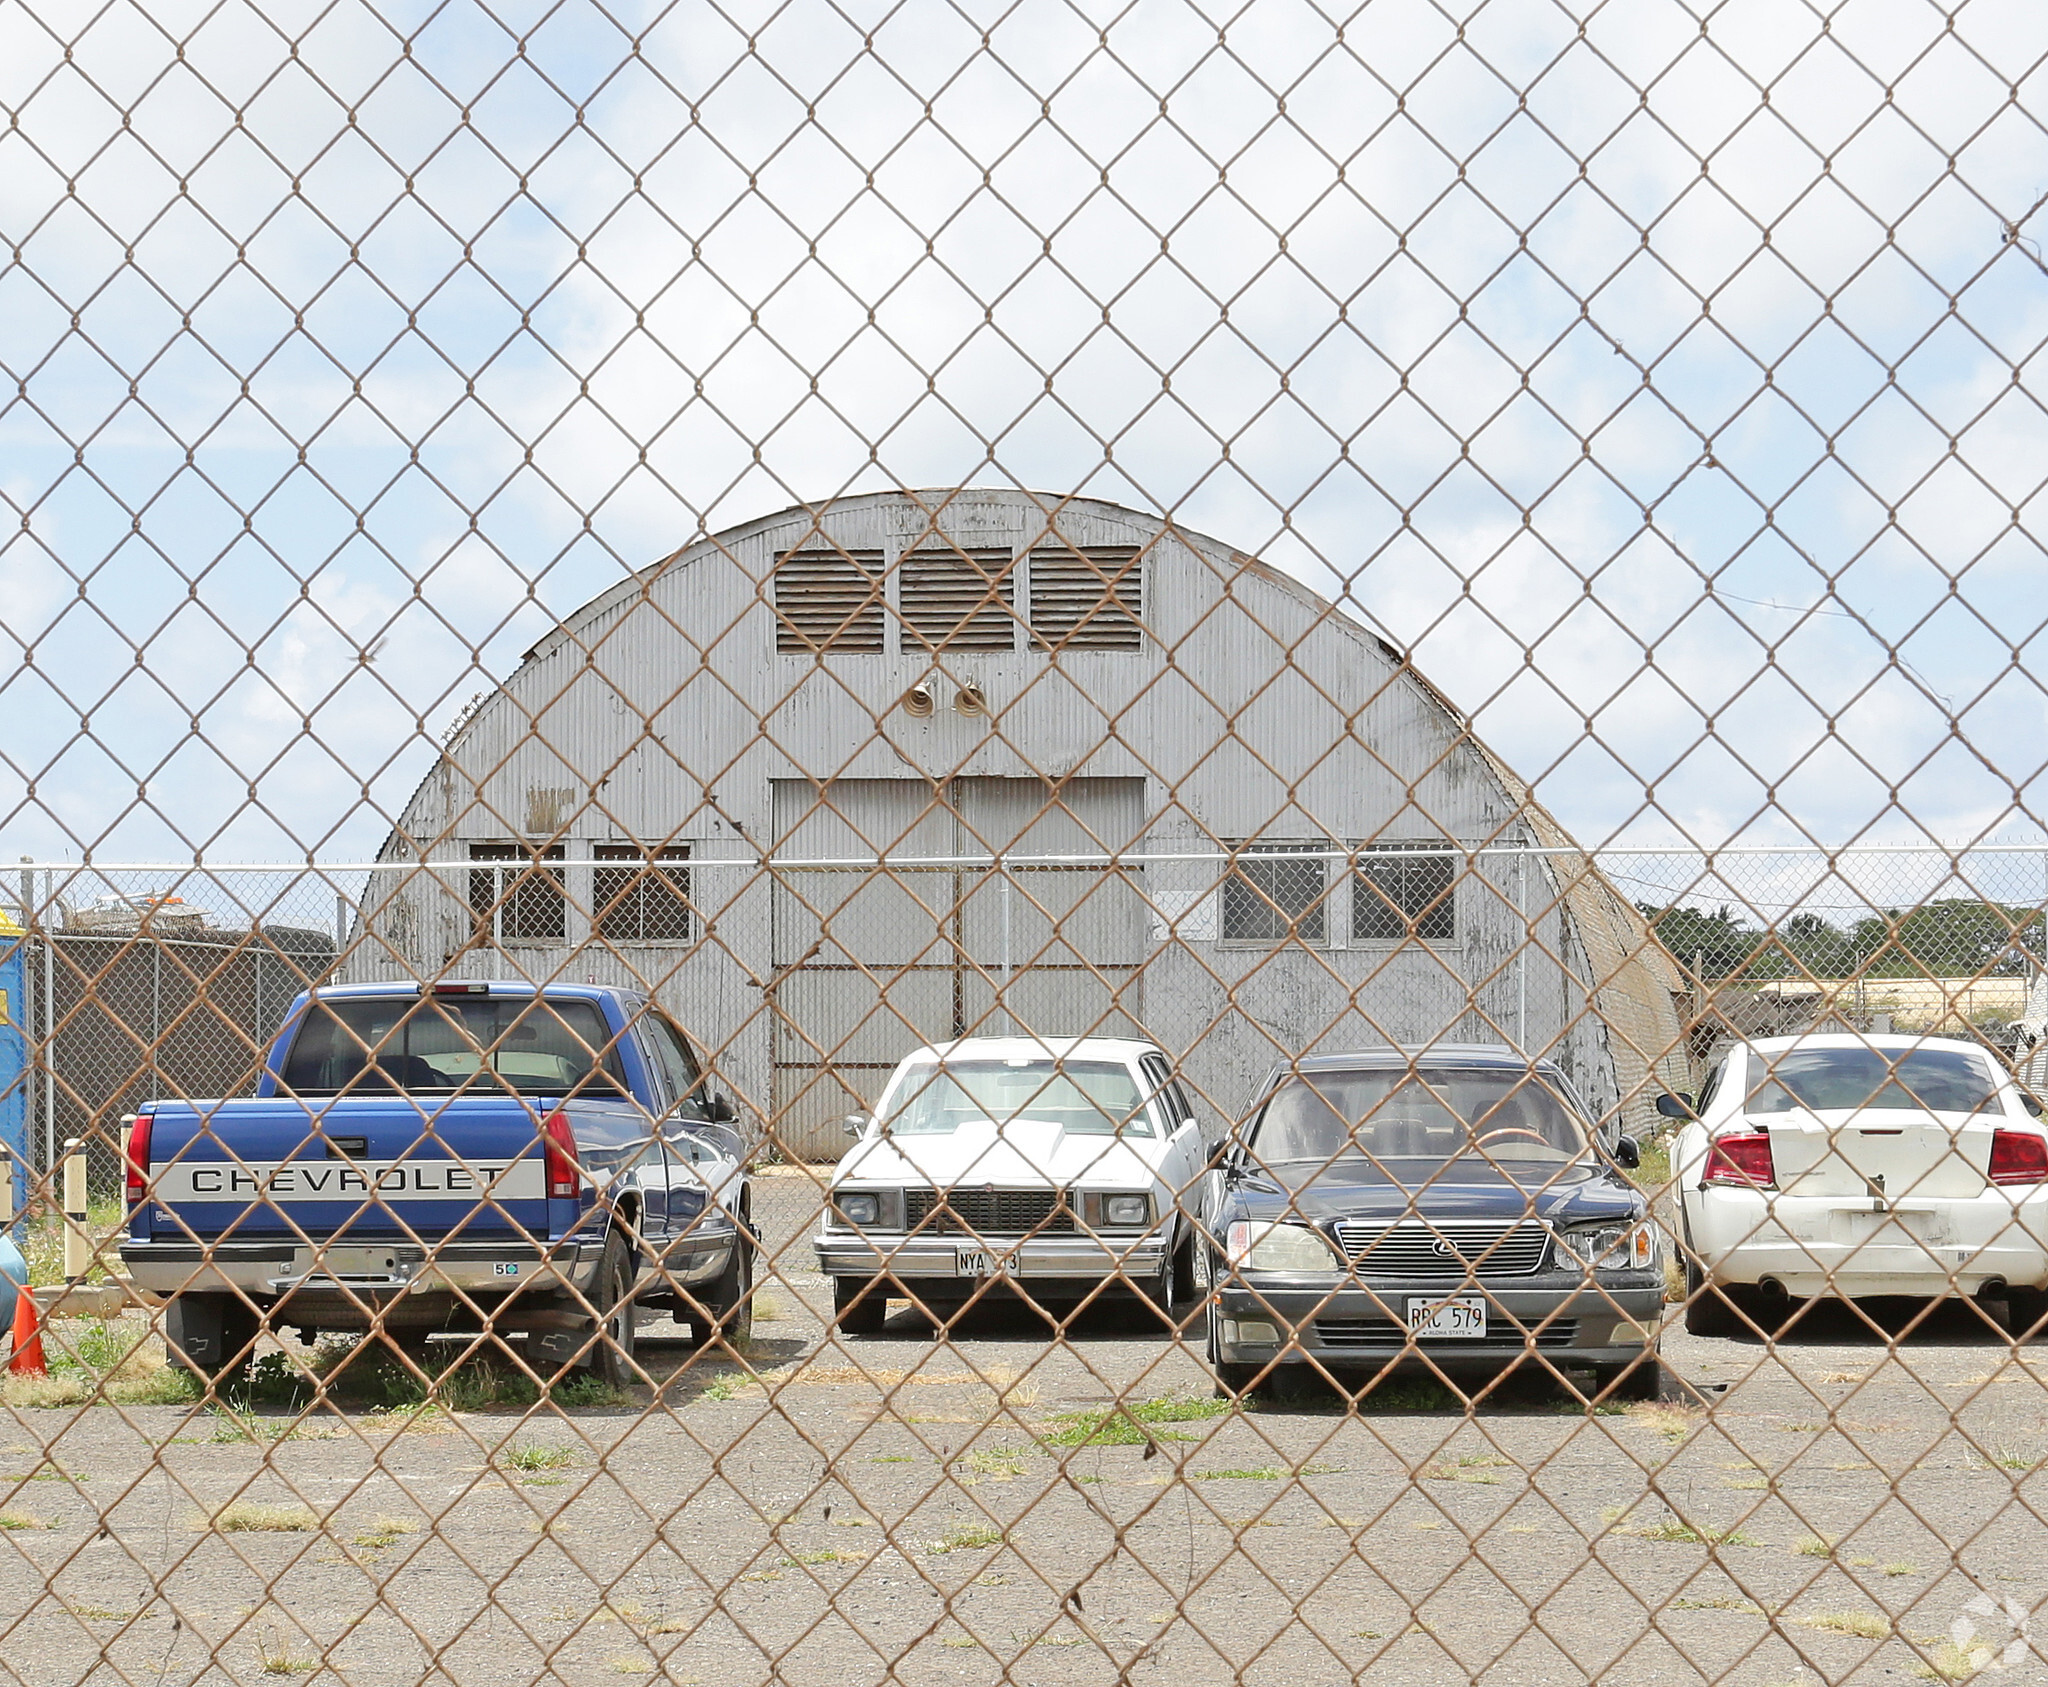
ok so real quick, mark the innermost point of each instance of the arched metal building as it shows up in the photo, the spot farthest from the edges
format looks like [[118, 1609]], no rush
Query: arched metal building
[[1115, 775]]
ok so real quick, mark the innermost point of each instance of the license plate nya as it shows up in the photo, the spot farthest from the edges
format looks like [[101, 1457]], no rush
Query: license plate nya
[[1457, 1317], [979, 1262]]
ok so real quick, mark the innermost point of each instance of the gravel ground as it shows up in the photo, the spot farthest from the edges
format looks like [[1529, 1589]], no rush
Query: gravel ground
[[900, 1509]]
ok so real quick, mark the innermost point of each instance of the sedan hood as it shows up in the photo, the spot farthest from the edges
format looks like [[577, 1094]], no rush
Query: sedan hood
[[1019, 1153]]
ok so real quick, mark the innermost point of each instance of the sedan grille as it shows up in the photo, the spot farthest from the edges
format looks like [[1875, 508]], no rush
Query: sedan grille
[[988, 1212], [1447, 1248], [1384, 1332]]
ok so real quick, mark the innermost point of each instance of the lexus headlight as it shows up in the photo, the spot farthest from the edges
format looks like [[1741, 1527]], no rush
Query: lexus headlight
[[864, 1212], [1612, 1247], [1281, 1247]]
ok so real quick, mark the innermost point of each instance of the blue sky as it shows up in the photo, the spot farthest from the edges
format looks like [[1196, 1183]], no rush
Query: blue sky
[[342, 352]]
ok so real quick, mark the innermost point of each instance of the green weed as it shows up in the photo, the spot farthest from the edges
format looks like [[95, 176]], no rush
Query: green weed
[[1131, 1425]]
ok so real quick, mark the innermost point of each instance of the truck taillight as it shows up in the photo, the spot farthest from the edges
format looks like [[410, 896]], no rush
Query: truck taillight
[[1742, 1158], [560, 1148], [138, 1157], [2018, 1157]]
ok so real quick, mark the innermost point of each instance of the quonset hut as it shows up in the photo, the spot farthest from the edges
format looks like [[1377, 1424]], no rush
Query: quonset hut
[[910, 766]]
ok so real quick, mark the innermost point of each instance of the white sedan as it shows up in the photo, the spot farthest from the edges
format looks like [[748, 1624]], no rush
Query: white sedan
[[1859, 1166], [1060, 1164]]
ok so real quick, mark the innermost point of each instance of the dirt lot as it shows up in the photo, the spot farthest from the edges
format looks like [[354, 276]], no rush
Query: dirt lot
[[896, 1508]]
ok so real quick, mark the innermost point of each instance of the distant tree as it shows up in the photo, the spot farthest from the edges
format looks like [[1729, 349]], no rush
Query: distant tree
[[1718, 944], [1956, 937], [1804, 946]]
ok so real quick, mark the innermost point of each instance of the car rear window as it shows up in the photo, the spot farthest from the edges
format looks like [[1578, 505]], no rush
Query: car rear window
[[443, 1045], [1836, 1080]]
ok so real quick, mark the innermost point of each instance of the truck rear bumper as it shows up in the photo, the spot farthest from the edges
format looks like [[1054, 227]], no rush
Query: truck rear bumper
[[355, 1274]]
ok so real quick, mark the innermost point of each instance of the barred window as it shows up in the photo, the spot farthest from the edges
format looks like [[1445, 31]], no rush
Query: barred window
[[647, 901], [1405, 890], [1275, 892], [519, 901]]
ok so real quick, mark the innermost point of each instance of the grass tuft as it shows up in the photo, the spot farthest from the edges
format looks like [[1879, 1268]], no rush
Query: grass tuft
[[14, 1517], [253, 1517], [1865, 1625], [385, 1531], [967, 1538], [536, 1456], [1816, 1546], [1131, 1425]]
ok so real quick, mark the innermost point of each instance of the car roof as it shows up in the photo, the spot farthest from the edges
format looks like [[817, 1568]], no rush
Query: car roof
[[1879, 1040], [1036, 1048], [1479, 1056], [502, 987]]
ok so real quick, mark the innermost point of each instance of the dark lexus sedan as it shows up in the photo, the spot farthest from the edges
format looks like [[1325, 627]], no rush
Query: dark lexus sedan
[[1450, 1203]]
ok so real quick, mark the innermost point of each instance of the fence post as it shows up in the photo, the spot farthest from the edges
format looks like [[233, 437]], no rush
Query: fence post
[[77, 1240]]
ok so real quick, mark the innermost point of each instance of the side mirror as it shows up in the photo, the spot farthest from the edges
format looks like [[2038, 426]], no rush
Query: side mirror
[[1676, 1106], [719, 1109], [1219, 1154], [1627, 1154], [855, 1125]]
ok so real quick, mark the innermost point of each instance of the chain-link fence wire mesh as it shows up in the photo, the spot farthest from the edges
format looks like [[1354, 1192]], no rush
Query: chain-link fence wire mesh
[[1627, 407]]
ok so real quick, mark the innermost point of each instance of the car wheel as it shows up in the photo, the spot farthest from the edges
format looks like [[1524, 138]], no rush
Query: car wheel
[[1232, 1379], [733, 1298], [1643, 1380], [2024, 1310], [608, 1333], [210, 1335], [1708, 1312], [860, 1305]]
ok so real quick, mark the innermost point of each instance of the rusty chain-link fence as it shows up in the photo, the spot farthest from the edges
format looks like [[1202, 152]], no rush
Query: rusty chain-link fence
[[1138, 844]]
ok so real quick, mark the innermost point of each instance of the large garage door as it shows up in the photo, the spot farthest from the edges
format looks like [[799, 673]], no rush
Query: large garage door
[[933, 943]]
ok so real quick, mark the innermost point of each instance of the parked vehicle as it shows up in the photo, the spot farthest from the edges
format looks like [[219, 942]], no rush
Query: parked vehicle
[[1052, 1163], [1859, 1166], [1449, 1203], [453, 1157]]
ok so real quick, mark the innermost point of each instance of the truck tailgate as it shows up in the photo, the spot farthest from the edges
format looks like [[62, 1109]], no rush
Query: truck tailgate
[[357, 1167]]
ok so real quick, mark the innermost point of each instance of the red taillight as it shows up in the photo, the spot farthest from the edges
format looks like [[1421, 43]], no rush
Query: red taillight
[[2018, 1157], [563, 1181], [1743, 1159], [138, 1158]]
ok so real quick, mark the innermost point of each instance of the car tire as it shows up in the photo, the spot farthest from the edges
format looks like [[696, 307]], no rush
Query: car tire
[[210, 1335], [860, 1305], [1708, 1311], [609, 1331], [728, 1304], [1232, 1379], [1643, 1380]]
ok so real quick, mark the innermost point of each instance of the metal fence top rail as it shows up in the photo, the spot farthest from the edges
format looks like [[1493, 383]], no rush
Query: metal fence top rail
[[79, 869]]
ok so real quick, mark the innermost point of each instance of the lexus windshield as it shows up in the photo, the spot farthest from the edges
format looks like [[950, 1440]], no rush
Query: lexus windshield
[[1413, 1122]]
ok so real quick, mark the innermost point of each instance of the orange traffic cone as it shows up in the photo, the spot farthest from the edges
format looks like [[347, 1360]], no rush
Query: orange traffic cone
[[28, 1337]]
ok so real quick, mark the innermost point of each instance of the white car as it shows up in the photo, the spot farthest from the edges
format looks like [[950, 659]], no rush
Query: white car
[[1859, 1166], [1057, 1163]]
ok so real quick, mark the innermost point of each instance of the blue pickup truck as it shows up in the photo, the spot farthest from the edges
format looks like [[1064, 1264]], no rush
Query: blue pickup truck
[[529, 1162]]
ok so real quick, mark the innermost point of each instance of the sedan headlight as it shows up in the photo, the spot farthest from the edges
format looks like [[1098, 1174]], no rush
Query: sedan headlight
[[1281, 1247], [863, 1212], [1612, 1247], [1131, 1211]]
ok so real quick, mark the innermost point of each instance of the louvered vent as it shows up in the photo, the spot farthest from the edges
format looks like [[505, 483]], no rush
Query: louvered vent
[[829, 600], [1088, 599], [960, 600]]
